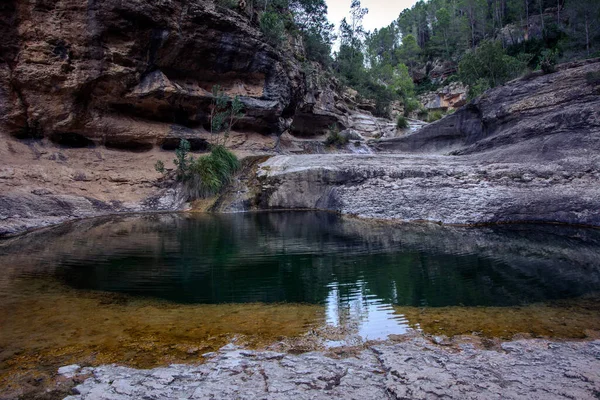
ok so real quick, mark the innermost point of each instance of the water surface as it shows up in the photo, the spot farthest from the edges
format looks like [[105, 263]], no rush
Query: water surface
[[152, 289]]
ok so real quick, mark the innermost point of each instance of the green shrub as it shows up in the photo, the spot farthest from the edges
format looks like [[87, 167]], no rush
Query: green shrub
[[410, 105], [208, 174], [427, 86], [548, 61], [334, 138], [224, 114], [229, 161], [435, 116], [182, 160], [159, 166], [477, 89], [423, 114], [272, 26], [317, 49], [401, 122], [490, 63]]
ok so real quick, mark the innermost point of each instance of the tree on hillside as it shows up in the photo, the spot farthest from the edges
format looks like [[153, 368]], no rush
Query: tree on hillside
[[350, 57], [381, 46], [474, 12], [409, 52], [310, 17], [402, 82], [446, 34], [584, 21], [488, 66], [422, 31], [353, 33]]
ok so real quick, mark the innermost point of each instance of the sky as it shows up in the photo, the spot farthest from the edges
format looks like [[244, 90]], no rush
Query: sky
[[381, 12]]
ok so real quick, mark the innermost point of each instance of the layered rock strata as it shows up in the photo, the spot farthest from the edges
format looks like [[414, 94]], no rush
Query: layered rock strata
[[136, 74], [526, 151], [92, 94]]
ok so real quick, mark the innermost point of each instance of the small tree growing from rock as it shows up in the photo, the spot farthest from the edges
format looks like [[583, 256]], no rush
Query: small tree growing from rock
[[223, 115], [182, 160]]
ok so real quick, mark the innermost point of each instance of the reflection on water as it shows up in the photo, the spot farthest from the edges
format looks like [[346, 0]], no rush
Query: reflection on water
[[357, 270], [374, 318], [154, 289]]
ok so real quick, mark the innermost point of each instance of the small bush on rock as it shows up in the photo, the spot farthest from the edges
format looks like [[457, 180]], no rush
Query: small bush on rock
[[159, 166], [548, 61], [435, 116], [401, 122], [182, 160], [478, 88], [410, 105], [334, 138], [208, 174]]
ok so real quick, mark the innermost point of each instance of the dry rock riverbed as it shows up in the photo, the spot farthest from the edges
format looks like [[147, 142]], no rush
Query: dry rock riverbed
[[416, 368]]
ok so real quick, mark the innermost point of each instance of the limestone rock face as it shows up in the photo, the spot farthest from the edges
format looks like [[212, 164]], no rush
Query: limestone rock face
[[450, 97], [451, 190], [527, 151], [540, 117], [131, 74], [325, 104]]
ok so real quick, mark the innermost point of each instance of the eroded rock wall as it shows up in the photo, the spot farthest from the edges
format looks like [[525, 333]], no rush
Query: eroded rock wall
[[541, 117], [527, 151], [97, 91], [134, 74]]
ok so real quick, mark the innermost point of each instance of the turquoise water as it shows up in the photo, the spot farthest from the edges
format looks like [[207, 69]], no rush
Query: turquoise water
[[309, 257], [357, 270]]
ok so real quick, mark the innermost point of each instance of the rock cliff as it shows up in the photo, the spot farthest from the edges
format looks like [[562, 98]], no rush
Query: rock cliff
[[93, 93], [136, 74], [526, 151]]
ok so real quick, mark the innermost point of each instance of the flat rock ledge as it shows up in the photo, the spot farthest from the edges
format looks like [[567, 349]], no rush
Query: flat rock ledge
[[446, 189], [414, 369]]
